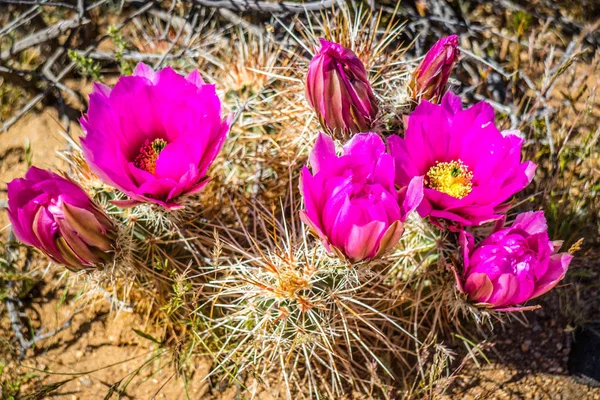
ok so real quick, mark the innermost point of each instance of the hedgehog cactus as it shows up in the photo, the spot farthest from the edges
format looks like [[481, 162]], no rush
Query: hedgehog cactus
[[229, 262], [513, 264], [294, 309]]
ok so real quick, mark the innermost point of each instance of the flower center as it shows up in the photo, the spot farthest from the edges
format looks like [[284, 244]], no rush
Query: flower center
[[452, 178], [148, 155]]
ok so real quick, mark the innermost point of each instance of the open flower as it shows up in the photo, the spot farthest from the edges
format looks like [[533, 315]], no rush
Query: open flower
[[469, 167], [55, 215], [512, 265], [429, 79], [351, 202], [338, 89], [154, 135]]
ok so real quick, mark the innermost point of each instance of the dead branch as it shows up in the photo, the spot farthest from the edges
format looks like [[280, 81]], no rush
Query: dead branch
[[237, 20], [20, 20], [12, 306], [41, 3], [135, 56], [52, 32], [174, 43], [170, 19], [266, 6], [34, 101]]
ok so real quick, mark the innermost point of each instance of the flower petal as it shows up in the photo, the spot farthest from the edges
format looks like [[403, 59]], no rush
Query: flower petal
[[557, 269], [479, 287]]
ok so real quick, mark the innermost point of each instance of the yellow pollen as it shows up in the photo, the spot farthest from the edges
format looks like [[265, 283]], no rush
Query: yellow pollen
[[452, 178], [148, 155]]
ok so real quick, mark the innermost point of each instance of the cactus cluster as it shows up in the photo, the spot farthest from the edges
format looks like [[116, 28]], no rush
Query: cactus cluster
[[319, 282]]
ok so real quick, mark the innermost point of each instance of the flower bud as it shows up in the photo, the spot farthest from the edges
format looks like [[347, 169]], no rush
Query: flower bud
[[338, 89], [512, 265], [429, 79], [55, 215], [351, 202]]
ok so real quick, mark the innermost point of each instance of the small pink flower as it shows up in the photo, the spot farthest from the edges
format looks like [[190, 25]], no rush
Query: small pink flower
[[338, 89], [351, 202], [429, 79], [55, 215], [512, 265], [154, 135], [469, 168]]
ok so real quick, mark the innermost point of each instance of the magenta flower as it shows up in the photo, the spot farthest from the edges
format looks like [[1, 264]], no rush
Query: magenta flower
[[338, 89], [351, 202], [55, 215], [429, 79], [469, 167], [513, 264], [154, 135]]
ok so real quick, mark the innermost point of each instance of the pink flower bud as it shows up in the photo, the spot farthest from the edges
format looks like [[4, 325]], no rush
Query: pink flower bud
[[429, 79], [351, 202], [55, 215], [514, 264], [338, 89]]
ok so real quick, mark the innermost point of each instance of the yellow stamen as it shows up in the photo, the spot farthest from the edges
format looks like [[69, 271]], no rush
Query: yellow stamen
[[148, 155], [452, 178]]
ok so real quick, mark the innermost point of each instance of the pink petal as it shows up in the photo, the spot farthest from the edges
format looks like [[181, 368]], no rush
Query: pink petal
[[195, 78], [479, 287], [145, 71], [322, 153], [505, 288], [525, 288], [531, 222], [467, 243], [452, 103], [557, 269], [405, 169], [101, 90], [412, 195], [362, 241], [390, 238]]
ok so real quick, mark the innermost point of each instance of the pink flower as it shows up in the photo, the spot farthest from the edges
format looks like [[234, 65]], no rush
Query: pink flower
[[351, 202], [513, 264], [469, 167], [338, 89], [154, 135], [429, 79], [55, 215]]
